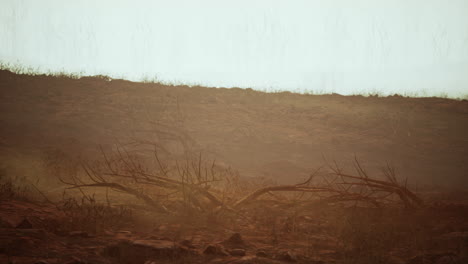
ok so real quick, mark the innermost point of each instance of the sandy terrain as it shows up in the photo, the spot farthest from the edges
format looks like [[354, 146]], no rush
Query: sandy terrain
[[280, 135], [58, 133]]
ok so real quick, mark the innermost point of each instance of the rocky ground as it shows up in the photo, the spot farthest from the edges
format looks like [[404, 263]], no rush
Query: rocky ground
[[39, 233]]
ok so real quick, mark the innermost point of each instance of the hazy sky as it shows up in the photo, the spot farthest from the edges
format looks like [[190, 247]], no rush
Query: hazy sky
[[343, 46]]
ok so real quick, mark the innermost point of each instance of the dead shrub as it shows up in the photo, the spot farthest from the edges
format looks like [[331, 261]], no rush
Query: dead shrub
[[12, 188], [89, 215]]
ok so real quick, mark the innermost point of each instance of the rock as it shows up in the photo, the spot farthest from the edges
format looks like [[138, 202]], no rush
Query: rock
[[236, 238], [78, 234], [262, 254], [155, 244], [287, 256], [41, 262], [245, 260], [217, 250], [163, 228], [139, 251], [237, 252], [316, 262], [75, 260], [235, 241], [123, 235], [221, 260], [187, 243], [24, 224], [254, 260]]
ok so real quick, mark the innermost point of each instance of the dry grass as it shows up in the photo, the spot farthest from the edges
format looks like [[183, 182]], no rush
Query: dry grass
[[314, 227], [93, 217], [13, 187]]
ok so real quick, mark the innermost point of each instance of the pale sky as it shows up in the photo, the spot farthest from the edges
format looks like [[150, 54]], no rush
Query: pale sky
[[342, 46]]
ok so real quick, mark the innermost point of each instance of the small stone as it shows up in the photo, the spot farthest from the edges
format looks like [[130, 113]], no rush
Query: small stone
[[108, 233], [255, 260], [237, 252], [246, 260], [287, 256], [75, 260], [187, 243], [217, 250], [235, 241], [139, 251], [262, 254], [155, 244], [236, 238], [25, 224], [41, 262], [123, 232]]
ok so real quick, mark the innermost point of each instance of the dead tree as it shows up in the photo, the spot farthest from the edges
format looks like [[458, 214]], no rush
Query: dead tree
[[123, 172], [338, 186], [193, 183]]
